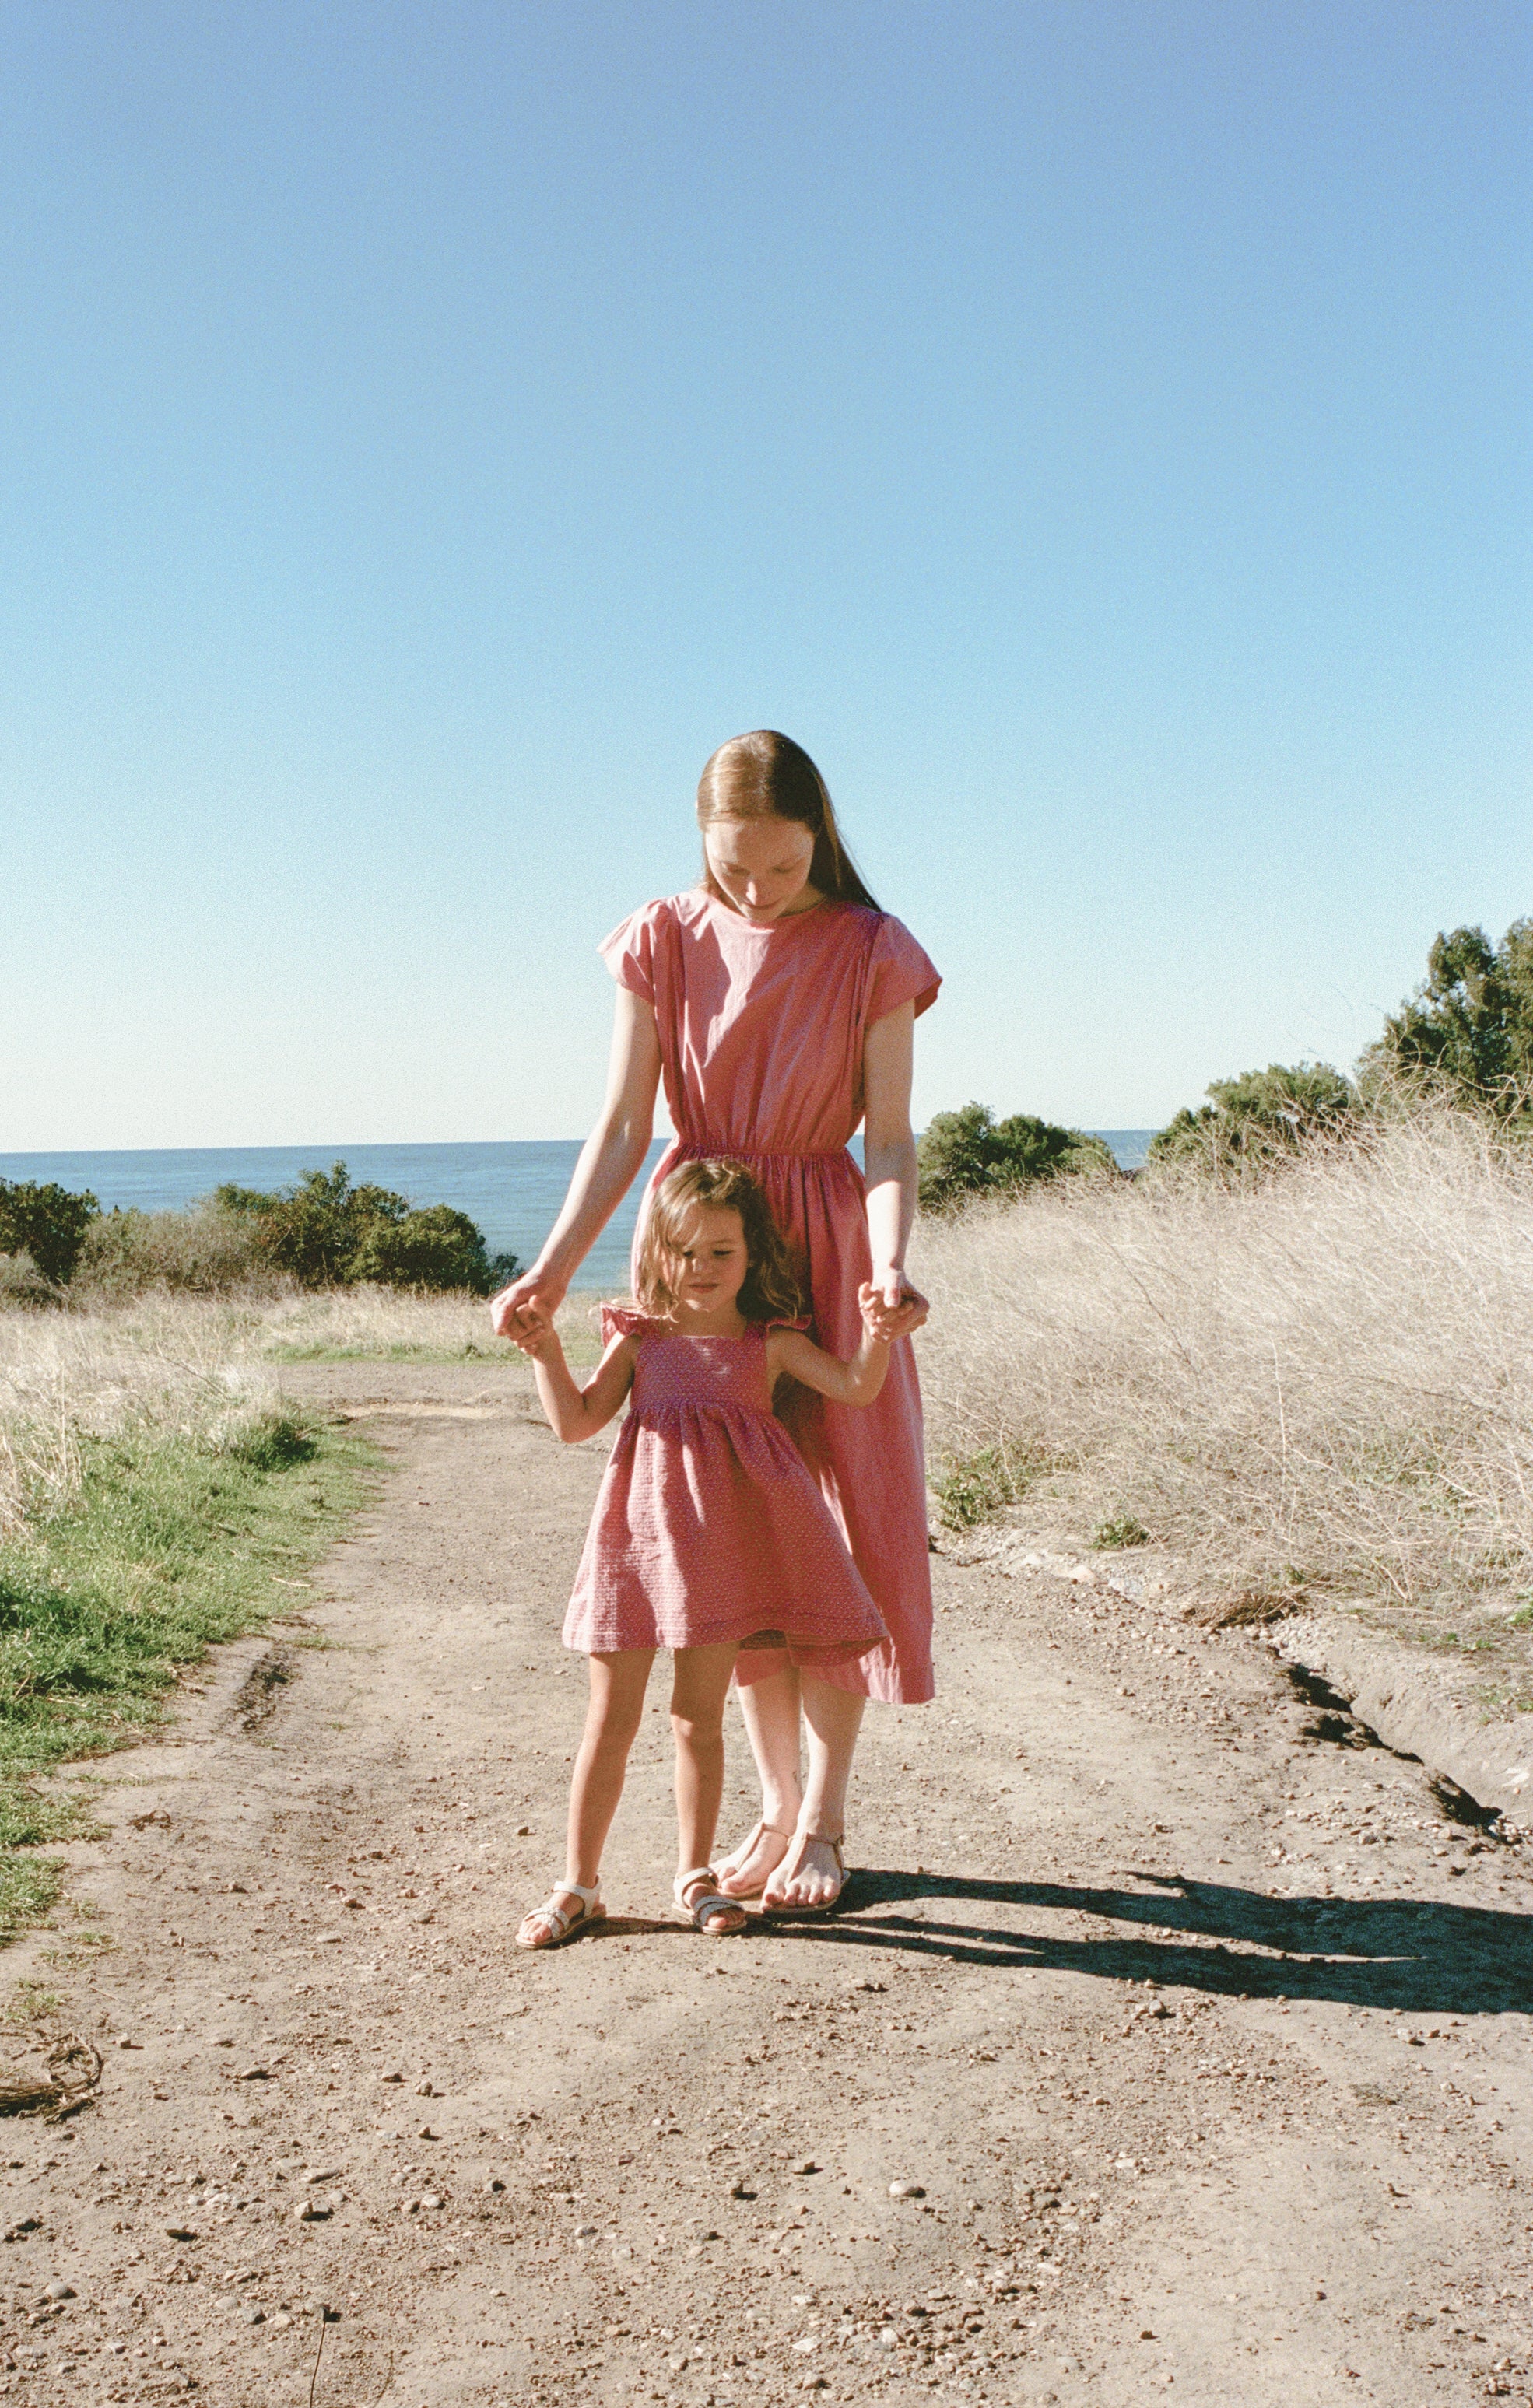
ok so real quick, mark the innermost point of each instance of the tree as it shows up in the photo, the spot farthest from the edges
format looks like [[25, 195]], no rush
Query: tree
[[970, 1153], [49, 1223], [1258, 1118], [324, 1232], [1468, 1026]]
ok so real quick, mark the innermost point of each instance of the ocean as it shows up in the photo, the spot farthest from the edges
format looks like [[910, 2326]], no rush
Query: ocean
[[513, 1191]]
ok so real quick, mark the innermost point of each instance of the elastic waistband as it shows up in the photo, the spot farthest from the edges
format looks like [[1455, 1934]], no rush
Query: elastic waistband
[[700, 1153]]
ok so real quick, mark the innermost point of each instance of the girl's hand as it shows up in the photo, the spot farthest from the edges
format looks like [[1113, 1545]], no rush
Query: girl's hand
[[538, 1339], [905, 1305], [529, 1303], [876, 1316]]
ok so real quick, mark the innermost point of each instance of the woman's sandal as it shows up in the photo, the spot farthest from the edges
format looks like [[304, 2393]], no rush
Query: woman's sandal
[[744, 1850], [560, 1927], [714, 1913], [819, 1906]]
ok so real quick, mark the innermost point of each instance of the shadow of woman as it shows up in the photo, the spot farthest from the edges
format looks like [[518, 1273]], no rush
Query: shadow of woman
[[1424, 1956]]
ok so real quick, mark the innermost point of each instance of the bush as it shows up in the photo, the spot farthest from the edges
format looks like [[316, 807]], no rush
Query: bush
[[1259, 1118], [22, 1284], [970, 1153], [1468, 1029], [204, 1252], [49, 1223], [326, 1233], [435, 1248]]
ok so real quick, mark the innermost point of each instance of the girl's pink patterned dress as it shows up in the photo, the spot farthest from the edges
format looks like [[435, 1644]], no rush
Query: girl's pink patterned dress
[[761, 1039], [709, 1527]]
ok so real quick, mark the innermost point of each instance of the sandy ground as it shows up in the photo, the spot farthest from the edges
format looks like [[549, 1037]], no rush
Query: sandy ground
[[1195, 2038]]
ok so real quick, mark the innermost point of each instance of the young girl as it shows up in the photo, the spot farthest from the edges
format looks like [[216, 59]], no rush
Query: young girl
[[709, 1531]]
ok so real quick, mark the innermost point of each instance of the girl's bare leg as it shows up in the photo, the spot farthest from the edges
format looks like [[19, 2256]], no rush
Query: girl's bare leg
[[698, 1690], [612, 1717], [808, 1874], [770, 1711]]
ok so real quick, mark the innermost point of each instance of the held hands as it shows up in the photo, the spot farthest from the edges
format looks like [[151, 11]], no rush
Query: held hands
[[896, 1308], [529, 1304]]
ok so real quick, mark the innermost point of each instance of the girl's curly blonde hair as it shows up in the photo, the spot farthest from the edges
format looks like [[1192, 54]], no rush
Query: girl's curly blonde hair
[[771, 1292]]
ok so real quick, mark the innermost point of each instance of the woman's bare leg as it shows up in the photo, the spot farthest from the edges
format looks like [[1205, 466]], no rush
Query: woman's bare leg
[[770, 1711], [808, 1874], [698, 1692]]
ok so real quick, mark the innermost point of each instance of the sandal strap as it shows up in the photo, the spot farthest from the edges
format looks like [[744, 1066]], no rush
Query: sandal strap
[[562, 1921]]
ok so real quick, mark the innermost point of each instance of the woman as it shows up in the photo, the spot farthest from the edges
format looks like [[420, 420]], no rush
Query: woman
[[778, 1003]]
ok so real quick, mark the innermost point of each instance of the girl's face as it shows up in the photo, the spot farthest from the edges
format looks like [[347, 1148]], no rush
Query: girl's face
[[762, 866], [709, 1263]]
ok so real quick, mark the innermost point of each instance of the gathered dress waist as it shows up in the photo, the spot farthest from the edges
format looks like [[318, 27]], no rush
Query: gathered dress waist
[[706, 1151]]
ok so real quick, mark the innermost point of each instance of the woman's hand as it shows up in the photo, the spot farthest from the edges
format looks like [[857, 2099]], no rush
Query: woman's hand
[[904, 1306], [527, 1305]]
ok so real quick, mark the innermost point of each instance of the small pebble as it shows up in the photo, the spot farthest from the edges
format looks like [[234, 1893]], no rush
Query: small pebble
[[805, 2166], [523, 1831], [430, 2199], [907, 2190], [125, 2042], [424, 2090], [59, 2291], [281, 2320], [179, 2232]]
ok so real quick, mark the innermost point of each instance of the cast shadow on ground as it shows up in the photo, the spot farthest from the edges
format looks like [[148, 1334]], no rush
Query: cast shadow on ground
[[1423, 1956]]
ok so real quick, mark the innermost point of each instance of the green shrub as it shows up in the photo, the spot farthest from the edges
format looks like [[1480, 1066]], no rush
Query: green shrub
[[204, 1252], [49, 1223], [433, 1248], [1121, 1530], [970, 1153], [22, 1284], [1257, 1119], [325, 1233], [975, 1486], [1469, 1028]]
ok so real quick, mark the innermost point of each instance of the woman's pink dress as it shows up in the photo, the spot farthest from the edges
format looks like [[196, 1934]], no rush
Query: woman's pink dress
[[709, 1527], [761, 1039]]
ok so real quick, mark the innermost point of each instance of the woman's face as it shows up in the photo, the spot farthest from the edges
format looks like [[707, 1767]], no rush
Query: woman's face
[[762, 866]]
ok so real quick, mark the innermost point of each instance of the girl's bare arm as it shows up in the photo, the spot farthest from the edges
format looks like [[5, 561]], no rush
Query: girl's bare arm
[[791, 1355], [612, 1154], [574, 1413], [889, 1165]]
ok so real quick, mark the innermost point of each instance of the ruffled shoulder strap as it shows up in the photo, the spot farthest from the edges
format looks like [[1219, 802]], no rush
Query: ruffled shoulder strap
[[624, 1321], [803, 1322]]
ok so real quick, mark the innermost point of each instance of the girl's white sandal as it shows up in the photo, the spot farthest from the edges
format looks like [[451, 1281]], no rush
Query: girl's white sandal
[[562, 1925], [715, 1906]]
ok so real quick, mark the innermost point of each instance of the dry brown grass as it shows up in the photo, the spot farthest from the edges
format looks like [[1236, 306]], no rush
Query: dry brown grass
[[1324, 1379], [173, 1365]]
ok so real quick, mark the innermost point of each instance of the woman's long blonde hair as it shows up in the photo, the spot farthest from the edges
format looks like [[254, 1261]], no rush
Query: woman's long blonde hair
[[767, 776], [771, 1291]]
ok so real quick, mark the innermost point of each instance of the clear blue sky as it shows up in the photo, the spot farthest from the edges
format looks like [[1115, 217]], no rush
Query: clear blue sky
[[1099, 431]]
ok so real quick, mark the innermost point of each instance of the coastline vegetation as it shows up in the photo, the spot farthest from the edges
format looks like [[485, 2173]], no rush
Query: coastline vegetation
[[156, 1495], [1292, 1350]]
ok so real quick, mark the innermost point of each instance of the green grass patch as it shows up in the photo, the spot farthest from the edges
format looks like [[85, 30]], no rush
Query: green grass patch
[[1121, 1530], [971, 1489], [396, 1351], [169, 1545]]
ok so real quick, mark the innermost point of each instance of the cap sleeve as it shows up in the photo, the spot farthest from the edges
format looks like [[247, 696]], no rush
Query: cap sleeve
[[629, 952], [622, 1321], [903, 971]]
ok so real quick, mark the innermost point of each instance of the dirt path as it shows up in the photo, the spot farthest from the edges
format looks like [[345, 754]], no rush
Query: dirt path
[[1202, 2039]]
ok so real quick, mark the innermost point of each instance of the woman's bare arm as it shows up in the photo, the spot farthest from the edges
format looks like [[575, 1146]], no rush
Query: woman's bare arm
[[611, 1156], [889, 1159]]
